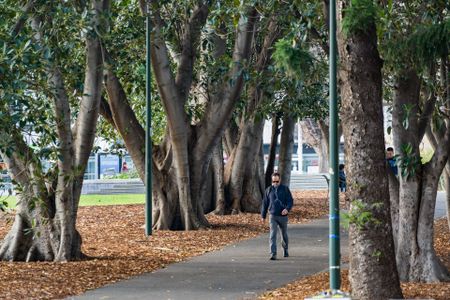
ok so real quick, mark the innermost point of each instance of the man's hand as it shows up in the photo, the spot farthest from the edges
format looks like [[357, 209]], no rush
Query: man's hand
[[284, 212], [263, 220]]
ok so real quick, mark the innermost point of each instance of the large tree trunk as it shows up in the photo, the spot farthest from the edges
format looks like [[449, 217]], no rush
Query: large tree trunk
[[217, 169], [45, 223], [31, 237], [272, 150], [286, 149], [242, 170], [185, 158], [416, 258], [373, 274]]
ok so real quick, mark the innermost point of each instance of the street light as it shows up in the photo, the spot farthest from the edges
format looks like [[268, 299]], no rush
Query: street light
[[148, 131], [334, 238]]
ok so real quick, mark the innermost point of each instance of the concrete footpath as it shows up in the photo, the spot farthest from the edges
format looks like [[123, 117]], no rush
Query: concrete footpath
[[441, 205], [239, 271]]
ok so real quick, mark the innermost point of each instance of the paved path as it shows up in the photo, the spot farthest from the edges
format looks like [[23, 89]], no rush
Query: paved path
[[239, 271], [441, 206]]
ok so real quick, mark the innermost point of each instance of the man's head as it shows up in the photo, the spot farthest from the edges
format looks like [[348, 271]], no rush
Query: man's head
[[389, 152], [276, 179]]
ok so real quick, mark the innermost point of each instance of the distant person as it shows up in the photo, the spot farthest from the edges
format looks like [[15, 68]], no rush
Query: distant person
[[278, 201], [390, 159], [125, 167], [342, 179]]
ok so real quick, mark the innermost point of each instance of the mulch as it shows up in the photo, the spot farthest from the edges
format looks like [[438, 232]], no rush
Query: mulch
[[114, 240]]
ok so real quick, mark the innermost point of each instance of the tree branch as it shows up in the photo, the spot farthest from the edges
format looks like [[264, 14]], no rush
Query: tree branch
[[23, 18], [173, 104], [61, 103], [189, 43], [124, 118], [425, 116], [219, 110], [441, 154], [427, 112], [315, 34], [105, 112], [143, 6], [16, 166], [85, 125]]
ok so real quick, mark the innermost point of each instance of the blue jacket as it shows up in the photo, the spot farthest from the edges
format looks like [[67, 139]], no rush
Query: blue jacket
[[392, 163], [275, 200], [342, 179]]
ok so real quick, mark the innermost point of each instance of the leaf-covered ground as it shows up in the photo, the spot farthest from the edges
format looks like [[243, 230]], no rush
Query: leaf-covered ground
[[113, 238]]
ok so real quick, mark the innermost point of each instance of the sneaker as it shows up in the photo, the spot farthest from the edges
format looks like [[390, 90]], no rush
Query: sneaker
[[273, 257], [286, 253]]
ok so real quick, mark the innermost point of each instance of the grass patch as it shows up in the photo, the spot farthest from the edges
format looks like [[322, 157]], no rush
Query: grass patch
[[92, 200]]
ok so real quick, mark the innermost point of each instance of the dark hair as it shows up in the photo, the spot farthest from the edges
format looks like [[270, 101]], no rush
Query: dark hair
[[390, 149], [276, 174], [341, 166]]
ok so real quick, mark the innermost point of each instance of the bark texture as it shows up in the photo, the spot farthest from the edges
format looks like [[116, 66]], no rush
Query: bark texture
[[373, 273]]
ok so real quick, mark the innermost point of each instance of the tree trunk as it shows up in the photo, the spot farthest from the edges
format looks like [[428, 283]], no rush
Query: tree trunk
[[373, 274], [217, 169], [322, 152], [324, 157], [192, 147], [416, 258], [35, 233], [315, 135], [45, 224], [272, 150], [394, 200], [242, 169], [286, 149], [429, 267], [447, 191]]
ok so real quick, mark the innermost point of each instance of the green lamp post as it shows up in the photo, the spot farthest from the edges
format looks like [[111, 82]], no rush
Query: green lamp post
[[334, 238], [148, 131]]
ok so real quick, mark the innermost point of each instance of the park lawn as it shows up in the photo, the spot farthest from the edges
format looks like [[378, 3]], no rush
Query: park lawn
[[91, 200], [120, 199]]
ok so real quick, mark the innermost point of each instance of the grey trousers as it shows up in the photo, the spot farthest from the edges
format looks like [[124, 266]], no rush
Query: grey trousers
[[275, 222]]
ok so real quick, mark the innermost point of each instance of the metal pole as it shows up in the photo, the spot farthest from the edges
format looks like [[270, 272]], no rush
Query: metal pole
[[335, 275], [148, 132]]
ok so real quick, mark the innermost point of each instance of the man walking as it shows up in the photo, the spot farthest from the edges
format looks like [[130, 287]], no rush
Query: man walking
[[278, 201]]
